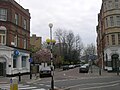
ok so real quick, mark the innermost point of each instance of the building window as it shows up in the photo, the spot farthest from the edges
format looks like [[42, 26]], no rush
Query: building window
[[107, 40], [2, 37], [110, 5], [119, 38], [116, 5], [25, 24], [14, 61], [16, 19], [105, 7], [111, 21], [106, 22], [15, 41], [24, 58], [118, 20], [3, 14], [113, 39], [25, 43], [116, 0]]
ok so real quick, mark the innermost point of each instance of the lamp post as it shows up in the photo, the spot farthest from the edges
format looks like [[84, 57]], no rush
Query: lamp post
[[51, 58]]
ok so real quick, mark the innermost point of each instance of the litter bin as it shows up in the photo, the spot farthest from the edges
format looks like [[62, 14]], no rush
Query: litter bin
[[14, 83]]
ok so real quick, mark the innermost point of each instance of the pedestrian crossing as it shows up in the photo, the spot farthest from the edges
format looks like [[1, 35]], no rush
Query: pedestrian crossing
[[20, 87]]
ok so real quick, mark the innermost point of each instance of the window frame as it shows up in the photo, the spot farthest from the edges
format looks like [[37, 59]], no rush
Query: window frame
[[3, 14]]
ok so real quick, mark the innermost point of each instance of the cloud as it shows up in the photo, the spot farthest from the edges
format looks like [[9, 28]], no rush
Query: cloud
[[77, 15]]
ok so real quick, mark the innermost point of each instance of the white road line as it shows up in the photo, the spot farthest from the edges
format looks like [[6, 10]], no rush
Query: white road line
[[41, 84], [93, 84], [40, 89], [20, 86], [100, 86], [48, 85], [25, 88]]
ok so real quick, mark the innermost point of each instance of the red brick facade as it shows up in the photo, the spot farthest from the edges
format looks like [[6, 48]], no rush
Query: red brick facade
[[13, 29]]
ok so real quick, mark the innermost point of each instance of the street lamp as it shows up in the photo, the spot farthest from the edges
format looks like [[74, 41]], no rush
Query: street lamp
[[51, 58]]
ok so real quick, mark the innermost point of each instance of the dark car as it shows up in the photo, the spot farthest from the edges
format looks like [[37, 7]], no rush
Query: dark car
[[65, 67], [45, 71], [84, 68]]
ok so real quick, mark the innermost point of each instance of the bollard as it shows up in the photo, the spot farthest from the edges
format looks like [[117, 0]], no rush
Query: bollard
[[99, 71], [19, 76], [14, 83]]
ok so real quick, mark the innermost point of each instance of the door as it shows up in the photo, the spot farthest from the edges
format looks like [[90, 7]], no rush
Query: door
[[2, 66], [114, 62], [1, 69]]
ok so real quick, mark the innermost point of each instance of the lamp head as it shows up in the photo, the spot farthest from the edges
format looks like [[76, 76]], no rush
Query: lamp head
[[50, 25]]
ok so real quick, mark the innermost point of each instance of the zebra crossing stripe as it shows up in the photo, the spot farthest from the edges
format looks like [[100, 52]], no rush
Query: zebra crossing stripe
[[20, 87], [40, 89], [25, 88]]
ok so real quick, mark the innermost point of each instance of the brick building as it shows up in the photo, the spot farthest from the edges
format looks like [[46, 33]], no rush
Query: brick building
[[14, 38], [108, 35], [35, 43]]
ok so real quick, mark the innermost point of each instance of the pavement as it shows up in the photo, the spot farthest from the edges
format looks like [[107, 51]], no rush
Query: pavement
[[24, 79]]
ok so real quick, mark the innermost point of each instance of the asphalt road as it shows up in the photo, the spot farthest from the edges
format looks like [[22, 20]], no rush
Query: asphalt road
[[73, 80]]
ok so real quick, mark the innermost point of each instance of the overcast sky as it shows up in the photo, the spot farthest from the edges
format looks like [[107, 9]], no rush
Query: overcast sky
[[80, 16]]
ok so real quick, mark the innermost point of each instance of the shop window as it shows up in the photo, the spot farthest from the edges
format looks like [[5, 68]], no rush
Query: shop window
[[119, 38], [109, 63], [14, 61], [3, 14], [24, 59], [107, 40]]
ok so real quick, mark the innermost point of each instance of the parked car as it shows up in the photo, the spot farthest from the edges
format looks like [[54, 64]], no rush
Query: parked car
[[45, 71], [84, 68], [78, 65], [65, 67], [71, 66]]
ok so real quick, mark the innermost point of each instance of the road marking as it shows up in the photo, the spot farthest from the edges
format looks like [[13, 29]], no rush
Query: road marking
[[41, 84], [20, 87], [100, 86], [92, 84], [48, 85], [40, 89], [27, 88]]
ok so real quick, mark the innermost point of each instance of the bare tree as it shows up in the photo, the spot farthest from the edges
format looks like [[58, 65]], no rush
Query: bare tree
[[60, 35], [70, 41], [70, 46], [89, 50], [78, 44]]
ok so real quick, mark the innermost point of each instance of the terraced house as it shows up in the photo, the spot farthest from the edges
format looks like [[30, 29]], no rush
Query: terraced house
[[14, 38], [108, 35]]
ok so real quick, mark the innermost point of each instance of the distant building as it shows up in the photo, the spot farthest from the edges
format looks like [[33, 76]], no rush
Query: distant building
[[108, 35], [14, 38], [35, 43]]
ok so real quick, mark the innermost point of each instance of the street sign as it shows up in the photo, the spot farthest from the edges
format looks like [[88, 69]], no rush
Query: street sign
[[30, 60], [16, 52]]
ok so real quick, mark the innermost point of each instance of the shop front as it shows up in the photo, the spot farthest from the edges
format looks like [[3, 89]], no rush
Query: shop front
[[13, 61]]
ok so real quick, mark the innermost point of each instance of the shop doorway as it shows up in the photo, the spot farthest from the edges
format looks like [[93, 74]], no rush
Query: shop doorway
[[2, 67], [115, 59]]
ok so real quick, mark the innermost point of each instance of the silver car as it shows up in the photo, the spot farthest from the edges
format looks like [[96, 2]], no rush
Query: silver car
[[84, 68], [45, 71]]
